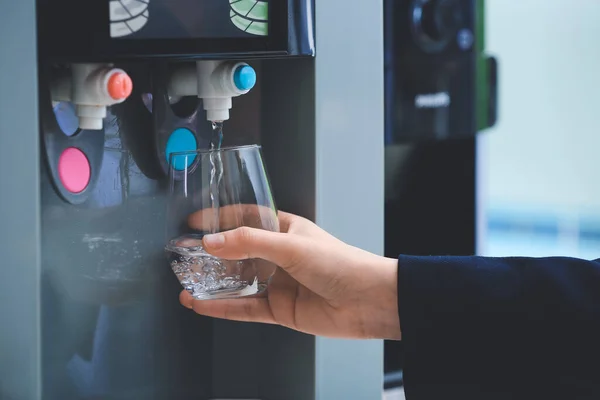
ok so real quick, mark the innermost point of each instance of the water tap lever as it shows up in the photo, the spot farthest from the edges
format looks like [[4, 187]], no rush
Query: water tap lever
[[92, 88], [215, 82]]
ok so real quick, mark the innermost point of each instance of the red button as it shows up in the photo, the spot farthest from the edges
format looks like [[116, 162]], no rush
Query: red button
[[119, 85], [74, 170]]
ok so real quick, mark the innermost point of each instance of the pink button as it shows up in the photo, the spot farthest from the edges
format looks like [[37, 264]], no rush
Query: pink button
[[74, 170]]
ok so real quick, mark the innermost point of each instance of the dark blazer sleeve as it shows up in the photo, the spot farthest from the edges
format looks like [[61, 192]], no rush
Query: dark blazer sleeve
[[500, 328]]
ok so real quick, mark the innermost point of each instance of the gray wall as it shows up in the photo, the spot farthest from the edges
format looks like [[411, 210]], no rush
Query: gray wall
[[19, 204], [350, 169], [544, 151], [540, 164]]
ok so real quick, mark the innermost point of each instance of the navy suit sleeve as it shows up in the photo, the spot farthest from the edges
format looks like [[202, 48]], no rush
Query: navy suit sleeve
[[505, 328]]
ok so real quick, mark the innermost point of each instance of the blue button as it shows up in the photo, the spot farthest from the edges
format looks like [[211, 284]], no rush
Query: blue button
[[181, 140], [465, 39], [244, 77]]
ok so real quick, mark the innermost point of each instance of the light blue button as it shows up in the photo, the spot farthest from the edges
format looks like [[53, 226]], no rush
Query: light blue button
[[244, 77], [181, 140]]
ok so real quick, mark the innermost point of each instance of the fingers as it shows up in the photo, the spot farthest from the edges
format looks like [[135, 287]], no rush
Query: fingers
[[285, 220], [246, 310], [244, 243], [233, 216]]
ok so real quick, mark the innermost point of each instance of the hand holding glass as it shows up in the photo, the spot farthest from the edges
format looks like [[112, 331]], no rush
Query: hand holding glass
[[212, 191]]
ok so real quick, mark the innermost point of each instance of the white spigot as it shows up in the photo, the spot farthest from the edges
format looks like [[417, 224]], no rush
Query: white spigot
[[92, 88], [215, 82]]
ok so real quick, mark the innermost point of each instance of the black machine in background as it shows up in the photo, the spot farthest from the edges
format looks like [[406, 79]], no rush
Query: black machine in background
[[439, 82], [440, 90], [429, 210]]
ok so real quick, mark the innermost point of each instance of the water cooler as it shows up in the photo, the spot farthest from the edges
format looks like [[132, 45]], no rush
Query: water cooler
[[97, 94]]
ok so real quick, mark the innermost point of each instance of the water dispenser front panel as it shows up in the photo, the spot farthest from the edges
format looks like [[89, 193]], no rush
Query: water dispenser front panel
[[172, 19], [112, 324], [108, 30]]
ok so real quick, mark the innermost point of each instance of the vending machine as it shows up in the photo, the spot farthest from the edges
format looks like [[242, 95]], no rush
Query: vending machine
[[99, 93]]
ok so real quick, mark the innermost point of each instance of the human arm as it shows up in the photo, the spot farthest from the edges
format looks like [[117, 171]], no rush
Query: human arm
[[499, 325], [485, 325], [323, 286]]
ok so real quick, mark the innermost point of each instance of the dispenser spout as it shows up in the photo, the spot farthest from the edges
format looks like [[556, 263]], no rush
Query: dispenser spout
[[92, 88], [216, 83]]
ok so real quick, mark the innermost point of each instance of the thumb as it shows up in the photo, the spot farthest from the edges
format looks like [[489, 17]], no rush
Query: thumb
[[242, 243]]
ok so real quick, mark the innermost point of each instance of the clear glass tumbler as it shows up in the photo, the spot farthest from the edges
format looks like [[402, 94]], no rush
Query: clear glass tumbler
[[212, 191]]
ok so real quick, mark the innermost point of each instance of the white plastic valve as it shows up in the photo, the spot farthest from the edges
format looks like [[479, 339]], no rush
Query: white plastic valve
[[215, 82], [92, 88]]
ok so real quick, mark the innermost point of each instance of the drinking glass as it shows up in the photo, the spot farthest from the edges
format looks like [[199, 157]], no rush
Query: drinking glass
[[213, 191]]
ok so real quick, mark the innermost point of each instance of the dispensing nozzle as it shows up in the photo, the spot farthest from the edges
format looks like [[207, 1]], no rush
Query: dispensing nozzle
[[215, 82], [92, 88]]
